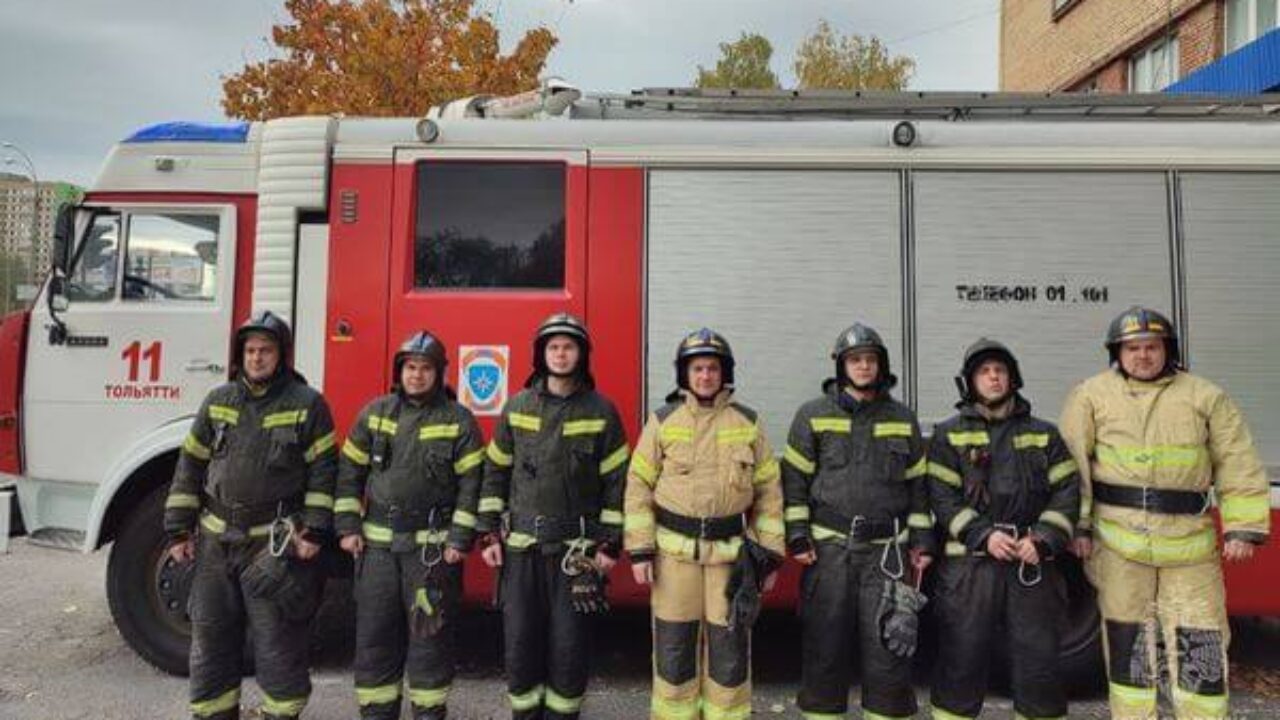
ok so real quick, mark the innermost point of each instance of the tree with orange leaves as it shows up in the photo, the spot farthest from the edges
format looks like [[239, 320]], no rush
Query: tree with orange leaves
[[381, 58]]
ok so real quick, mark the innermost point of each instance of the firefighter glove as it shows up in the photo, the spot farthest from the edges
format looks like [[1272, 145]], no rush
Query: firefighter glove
[[429, 612], [586, 585], [898, 617]]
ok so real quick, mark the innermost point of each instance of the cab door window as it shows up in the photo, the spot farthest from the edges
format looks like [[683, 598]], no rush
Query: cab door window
[[94, 270], [171, 256]]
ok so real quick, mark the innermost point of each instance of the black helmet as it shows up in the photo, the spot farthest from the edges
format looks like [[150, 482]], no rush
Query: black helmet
[[703, 342], [1138, 323], [979, 352], [425, 344], [862, 337], [267, 323], [561, 323]]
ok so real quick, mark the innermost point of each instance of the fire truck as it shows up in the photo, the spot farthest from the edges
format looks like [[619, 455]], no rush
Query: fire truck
[[777, 218]]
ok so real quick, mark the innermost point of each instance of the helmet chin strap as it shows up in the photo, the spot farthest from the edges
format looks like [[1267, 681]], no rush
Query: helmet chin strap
[[994, 403]]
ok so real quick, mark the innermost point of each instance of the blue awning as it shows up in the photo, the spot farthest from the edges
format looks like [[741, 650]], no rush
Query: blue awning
[[229, 132], [1253, 69]]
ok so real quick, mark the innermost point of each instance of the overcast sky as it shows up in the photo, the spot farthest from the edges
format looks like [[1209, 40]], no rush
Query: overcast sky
[[78, 75]]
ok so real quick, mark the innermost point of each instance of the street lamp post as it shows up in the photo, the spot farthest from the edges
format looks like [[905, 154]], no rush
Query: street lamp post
[[35, 214]]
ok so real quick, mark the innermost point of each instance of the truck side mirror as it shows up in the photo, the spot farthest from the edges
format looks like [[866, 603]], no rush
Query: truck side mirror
[[63, 235]]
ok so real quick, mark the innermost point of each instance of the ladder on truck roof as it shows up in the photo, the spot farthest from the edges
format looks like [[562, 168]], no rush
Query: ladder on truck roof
[[709, 102]]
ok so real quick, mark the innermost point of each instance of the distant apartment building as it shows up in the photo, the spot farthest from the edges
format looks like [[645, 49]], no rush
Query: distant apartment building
[[1220, 46], [16, 208]]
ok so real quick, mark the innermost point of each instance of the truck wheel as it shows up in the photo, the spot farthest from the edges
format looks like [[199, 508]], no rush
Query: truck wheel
[[1081, 654], [147, 591]]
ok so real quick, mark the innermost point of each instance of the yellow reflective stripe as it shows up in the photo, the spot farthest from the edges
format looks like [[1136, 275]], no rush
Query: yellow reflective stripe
[[643, 469], [1061, 471], [583, 427], [462, 518], [769, 525], [970, 437], [610, 517], [374, 532], [615, 460], [917, 470], [499, 458], [217, 525], [1200, 706], [532, 423], [827, 716], [561, 704], [1245, 509], [347, 505], [439, 432], [670, 709], [1154, 456], [318, 500], [521, 540], [281, 419], [642, 520], [379, 695], [799, 461], [673, 543], [353, 453], [195, 448], [469, 461], [429, 697], [377, 423], [1030, 440], [228, 415], [228, 700], [492, 505], [526, 700], [796, 513], [711, 711], [675, 433], [283, 706], [961, 521], [891, 429], [938, 713], [831, 424], [1058, 520], [1155, 549], [767, 472], [868, 715], [320, 447], [945, 474], [822, 532], [955, 549], [920, 521], [1127, 700], [737, 436], [182, 500]]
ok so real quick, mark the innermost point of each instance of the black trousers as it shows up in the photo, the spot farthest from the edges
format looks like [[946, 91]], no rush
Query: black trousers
[[981, 602], [385, 587], [221, 611], [546, 642], [839, 595]]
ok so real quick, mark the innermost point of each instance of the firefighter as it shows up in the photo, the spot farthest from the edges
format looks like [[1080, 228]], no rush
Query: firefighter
[[406, 510], [1005, 491], [252, 503], [551, 511], [853, 476], [1153, 442], [701, 467]]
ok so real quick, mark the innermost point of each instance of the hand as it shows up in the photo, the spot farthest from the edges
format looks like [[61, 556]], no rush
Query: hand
[[492, 555], [1237, 550], [1027, 551], [920, 560], [453, 556], [1082, 547], [642, 573], [807, 558], [353, 544], [183, 551], [1002, 546], [604, 563], [304, 548], [769, 581]]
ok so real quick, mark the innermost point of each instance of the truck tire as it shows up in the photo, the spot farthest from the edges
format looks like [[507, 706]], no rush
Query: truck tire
[[1081, 654], [147, 592]]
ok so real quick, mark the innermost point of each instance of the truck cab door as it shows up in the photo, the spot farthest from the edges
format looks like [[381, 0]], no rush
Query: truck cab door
[[148, 298]]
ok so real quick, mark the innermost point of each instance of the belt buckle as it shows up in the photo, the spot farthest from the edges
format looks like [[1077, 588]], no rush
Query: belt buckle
[[538, 522], [857, 527], [703, 524], [1148, 499], [1010, 528]]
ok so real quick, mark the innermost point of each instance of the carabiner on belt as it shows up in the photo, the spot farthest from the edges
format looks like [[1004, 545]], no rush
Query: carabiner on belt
[[577, 546], [432, 552], [281, 533], [896, 546]]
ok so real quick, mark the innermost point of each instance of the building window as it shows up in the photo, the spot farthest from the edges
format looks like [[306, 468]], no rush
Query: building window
[[1155, 67], [1247, 20], [490, 225]]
